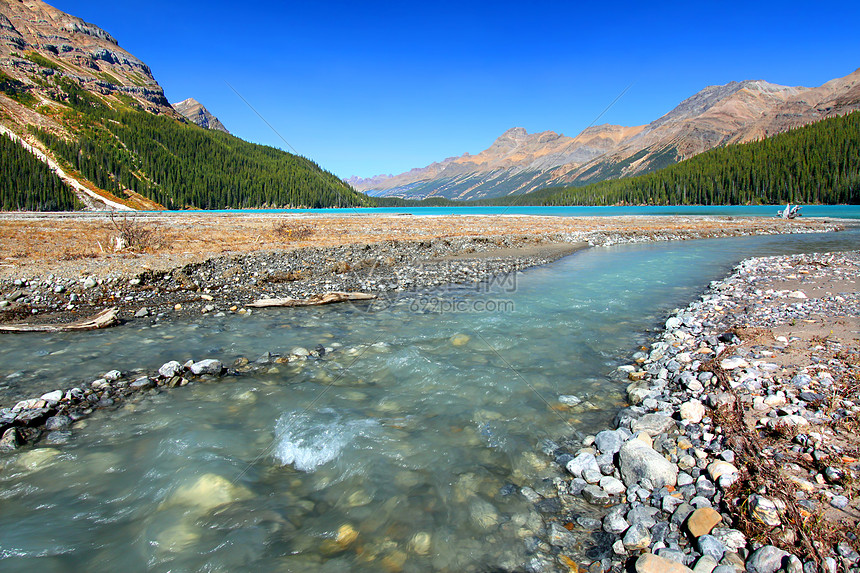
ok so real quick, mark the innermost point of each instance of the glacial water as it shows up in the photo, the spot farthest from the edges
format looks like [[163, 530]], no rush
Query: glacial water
[[834, 211], [403, 448]]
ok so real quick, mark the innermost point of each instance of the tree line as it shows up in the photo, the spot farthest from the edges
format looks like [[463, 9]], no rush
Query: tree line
[[28, 184]]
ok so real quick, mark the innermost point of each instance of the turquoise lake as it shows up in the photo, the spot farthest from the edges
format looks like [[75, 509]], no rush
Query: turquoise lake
[[840, 211]]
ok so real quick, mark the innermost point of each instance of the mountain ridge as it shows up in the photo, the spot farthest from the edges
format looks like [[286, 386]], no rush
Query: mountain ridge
[[196, 113], [518, 162]]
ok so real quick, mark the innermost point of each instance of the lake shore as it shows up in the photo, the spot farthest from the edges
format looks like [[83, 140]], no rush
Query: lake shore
[[740, 449], [61, 268]]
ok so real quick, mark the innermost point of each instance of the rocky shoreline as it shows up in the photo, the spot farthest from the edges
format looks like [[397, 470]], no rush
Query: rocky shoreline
[[142, 286], [739, 451]]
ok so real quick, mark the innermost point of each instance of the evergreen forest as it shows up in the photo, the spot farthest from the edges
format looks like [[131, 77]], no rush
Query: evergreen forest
[[28, 184]]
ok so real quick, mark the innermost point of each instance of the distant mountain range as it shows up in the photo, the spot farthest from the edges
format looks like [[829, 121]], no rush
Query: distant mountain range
[[519, 162]]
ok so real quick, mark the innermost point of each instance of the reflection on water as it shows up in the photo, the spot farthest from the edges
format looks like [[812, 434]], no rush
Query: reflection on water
[[401, 449]]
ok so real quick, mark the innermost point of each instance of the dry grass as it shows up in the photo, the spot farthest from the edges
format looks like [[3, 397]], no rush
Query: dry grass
[[808, 535], [31, 243]]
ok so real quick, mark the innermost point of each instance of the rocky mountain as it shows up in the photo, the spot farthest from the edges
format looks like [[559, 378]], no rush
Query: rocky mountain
[[519, 162], [196, 113], [94, 113], [37, 41]]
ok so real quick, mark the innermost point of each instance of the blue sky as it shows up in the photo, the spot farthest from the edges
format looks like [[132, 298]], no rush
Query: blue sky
[[365, 88]]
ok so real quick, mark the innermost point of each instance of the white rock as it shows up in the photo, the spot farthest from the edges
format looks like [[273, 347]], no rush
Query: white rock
[[612, 486], [54, 396], [170, 369], [639, 462], [692, 411], [733, 362], [569, 400], [208, 366]]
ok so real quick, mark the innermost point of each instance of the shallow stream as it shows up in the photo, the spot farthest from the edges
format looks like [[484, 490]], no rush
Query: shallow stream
[[403, 448]]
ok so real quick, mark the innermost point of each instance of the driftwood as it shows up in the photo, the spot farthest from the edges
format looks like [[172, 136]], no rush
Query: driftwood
[[104, 319], [315, 300], [789, 212]]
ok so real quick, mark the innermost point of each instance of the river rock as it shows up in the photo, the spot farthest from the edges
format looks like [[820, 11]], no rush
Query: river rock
[[653, 424], [612, 485], [170, 369], [33, 416], [569, 400], [692, 411], [37, 459], [614, 522], [731, 538], [346, 535], [142, 383], [639, 462], [637, 536], [581, 463], [420, 543], [764, 510], [710, 545], [593, 494], [702, 521], [561, 537], [58, 422], [722, 472], [54, 396], [608, 441], [767, 559], [11, 439], [207, 492], [483, 514], [112, 375], [733, 363], [650, 563], [208, 366]]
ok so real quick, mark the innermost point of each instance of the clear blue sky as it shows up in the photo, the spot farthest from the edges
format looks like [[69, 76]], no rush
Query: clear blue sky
[[365, 88]]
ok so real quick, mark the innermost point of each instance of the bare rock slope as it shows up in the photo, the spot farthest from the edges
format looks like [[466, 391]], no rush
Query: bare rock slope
[[196, 113], [519, 162]]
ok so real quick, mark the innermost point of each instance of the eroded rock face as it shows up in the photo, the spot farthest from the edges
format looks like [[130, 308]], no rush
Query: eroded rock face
[[76, 49]]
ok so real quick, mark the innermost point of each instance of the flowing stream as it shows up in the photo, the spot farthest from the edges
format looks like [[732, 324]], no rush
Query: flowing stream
[[402, 449]]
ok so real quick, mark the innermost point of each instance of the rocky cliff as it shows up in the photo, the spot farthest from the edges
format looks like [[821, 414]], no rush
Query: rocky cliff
[[519, 162], [196, 113], [37, 41]]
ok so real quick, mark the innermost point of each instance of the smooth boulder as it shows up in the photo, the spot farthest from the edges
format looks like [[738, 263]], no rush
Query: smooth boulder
[[640, 462]]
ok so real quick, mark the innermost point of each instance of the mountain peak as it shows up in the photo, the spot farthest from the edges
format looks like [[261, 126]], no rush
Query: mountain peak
[[196, 113]]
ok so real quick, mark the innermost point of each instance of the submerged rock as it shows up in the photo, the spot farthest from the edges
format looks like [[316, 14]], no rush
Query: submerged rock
[[207, 492]]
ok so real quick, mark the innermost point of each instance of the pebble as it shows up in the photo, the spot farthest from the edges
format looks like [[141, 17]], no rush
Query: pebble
[[702, 521], [650, 563]]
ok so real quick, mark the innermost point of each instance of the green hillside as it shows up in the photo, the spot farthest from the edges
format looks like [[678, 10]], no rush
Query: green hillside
[[817, 163], [27, 184], [179, 165]]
